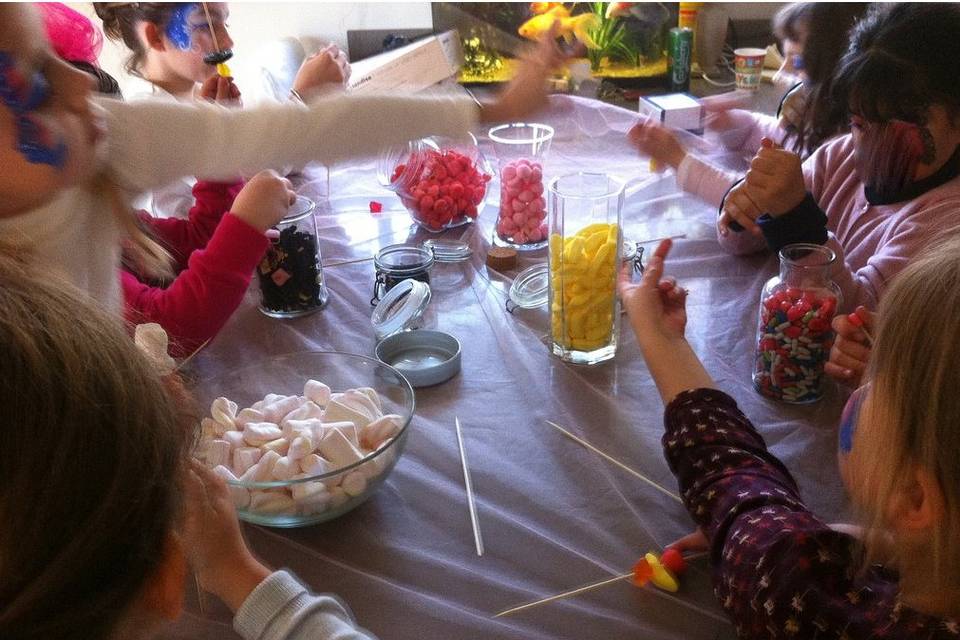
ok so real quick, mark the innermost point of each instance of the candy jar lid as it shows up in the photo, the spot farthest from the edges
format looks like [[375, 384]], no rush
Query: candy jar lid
[[448, 250], [401, 308], [530, 287]]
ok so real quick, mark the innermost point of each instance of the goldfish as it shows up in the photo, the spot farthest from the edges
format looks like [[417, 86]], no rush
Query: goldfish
[[578, 27], [650, 13], [536, 8]]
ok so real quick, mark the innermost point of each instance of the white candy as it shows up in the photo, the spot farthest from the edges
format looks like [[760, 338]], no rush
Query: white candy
[[338, 411], [224, 411], [216, 452], [263, 470], [257, 406], [336, 448], [361, 403], [317, 392], [239, 495], [274, 502], [306, 490], [379, 431], [354, 483], [210, 428], [244, 458], [275, 411], [337, 497], [348, 429], [374, 397], [235, 438], [280, 445], [259, 433], [306, 411], [314, 465], [247, 416], [293, 428], [285, 468], [300, 447]]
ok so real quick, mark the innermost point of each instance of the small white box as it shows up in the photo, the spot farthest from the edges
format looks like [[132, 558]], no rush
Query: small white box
[[409, 69], [677, 110]]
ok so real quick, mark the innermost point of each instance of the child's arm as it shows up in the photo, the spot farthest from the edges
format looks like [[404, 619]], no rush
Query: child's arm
[[267, 605], [182, 237]]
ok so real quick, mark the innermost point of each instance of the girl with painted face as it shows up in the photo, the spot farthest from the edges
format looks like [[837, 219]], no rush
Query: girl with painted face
[[879, 195], [779, 571]]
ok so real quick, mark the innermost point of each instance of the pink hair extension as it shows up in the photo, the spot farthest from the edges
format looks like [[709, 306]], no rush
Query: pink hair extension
[[888, 153], [72, 35]]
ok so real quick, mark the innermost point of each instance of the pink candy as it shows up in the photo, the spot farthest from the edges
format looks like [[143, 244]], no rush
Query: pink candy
[[522, 207]]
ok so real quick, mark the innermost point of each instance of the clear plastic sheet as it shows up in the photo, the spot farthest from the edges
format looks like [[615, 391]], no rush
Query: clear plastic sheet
[[554, 515]]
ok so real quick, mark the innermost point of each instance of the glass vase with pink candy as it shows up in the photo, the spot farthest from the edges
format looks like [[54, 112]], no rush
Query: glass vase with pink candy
[[520, 149]]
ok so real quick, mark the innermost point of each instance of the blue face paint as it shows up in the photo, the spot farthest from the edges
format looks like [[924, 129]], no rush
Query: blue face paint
[[23, 98], [178, 29], [797, 61], [848, 420]]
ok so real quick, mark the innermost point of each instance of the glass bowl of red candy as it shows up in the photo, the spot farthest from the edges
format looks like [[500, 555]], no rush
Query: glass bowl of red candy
[[441, 182]]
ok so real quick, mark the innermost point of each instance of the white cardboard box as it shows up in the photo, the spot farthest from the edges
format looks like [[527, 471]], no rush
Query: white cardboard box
[[409, 69], [678, 110]]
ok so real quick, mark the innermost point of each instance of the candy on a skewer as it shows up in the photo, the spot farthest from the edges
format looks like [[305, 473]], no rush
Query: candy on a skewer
[[220, 56], [858, 322]]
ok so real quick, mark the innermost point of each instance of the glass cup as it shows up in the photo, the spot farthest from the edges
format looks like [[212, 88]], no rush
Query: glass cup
[[521, 149], [585, 247]]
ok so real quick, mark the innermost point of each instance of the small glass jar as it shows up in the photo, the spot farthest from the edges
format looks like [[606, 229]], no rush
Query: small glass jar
[[795, 334], [399, 262], [521, 149], [291, 278], [585, 253], [441, 182]]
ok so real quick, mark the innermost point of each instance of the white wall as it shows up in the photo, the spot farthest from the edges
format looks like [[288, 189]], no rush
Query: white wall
[[255, 23]]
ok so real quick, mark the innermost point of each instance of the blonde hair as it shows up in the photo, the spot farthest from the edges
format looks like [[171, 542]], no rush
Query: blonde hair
[[914, 408], [92, 451]]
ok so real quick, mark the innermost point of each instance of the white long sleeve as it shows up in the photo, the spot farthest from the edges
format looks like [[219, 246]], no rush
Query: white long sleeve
[[280, 608], [151, 143]]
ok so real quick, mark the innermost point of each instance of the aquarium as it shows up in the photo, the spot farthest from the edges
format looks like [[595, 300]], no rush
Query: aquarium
[[624, 42]]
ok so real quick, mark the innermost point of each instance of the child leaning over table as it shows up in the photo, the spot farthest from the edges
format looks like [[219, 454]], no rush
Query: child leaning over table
[[878, 196], [100, 520], [778, 570]]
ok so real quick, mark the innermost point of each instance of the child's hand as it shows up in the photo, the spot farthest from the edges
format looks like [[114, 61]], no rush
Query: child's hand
[[791, 111], [657, 141], [264, 200], [774, 184], [656, 308], [695, 542], [851, 351], [216, 550], [527, 91], [221, 90], [324, 69]]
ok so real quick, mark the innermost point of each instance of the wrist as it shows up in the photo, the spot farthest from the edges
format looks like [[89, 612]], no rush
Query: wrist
[[234, 585]]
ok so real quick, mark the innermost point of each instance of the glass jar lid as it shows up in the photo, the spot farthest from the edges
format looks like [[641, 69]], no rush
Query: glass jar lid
[[448, 250], [403, 260], [530, 288], [401, 308], [301, 208]]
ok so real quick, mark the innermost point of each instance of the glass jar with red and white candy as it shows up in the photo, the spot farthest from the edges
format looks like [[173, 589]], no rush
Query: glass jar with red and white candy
[[795, 335], [521, 149]]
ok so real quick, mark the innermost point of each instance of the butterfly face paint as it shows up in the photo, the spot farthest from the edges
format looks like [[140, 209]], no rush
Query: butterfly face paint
[[848, 420], [23, 97], [888, 153], [179, 30]]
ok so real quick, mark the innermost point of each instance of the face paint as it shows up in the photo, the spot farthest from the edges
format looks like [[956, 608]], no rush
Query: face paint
[[178, 29], [888, 153], [23, 98], [797, 62], [848, 420]]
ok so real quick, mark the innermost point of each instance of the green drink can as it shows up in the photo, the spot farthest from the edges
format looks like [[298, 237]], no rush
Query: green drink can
[[679, 57]]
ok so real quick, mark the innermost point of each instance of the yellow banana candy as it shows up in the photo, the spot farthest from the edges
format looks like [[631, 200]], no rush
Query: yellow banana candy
[[583, 286]]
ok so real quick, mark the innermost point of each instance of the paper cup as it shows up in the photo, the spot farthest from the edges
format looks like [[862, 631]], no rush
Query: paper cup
[[748, 66]]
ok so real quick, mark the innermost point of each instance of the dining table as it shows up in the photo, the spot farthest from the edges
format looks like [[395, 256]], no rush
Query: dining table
[[555, 515]]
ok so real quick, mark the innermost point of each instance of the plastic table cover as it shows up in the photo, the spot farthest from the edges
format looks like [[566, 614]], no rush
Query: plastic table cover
[[554, 515]]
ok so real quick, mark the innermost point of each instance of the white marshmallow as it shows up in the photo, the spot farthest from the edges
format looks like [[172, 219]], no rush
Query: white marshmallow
[[216, 452], [235, 438], [275, 411], [247, 416], [270, 398], [263, 470], [306, 490], [338, 411], [354, 483], [280, 445], [362, 403], [374, 397], [224, 411], [238, 495], [210, 428], [301, 446], [293, 428], [317, 392], [272, 502], [257, 406], [285, 468], [306, 411], [337, 497], [379, 431], [336, 448], [314, 465], [259, 433], [244, 459], [348, 429]]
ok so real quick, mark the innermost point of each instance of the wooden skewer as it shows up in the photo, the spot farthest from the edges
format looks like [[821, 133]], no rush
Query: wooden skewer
[[184, 362], [213, 33], [343, 262], [634, 472], [471, 503]]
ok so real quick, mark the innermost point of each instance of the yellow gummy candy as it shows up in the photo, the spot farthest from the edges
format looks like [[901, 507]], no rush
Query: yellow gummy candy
[[594, 241], [661, 575], [223, 70]]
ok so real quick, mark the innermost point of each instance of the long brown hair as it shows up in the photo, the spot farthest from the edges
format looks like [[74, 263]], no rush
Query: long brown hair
[[120, 24], [91, 455]]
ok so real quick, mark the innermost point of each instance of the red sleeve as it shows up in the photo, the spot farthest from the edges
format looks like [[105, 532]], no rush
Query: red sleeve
[[199, 301], [183, 237]]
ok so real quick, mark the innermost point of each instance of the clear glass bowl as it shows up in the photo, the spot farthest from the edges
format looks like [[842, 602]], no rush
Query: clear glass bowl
[[286, 374]]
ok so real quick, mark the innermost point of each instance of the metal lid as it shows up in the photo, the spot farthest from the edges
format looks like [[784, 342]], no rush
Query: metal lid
[[425, 358], [301, 208], [448, 250], [401, 308], [530, 288]]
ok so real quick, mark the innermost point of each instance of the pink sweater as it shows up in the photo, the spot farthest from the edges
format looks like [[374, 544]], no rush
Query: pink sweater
[[873, 242], [215, 254]]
